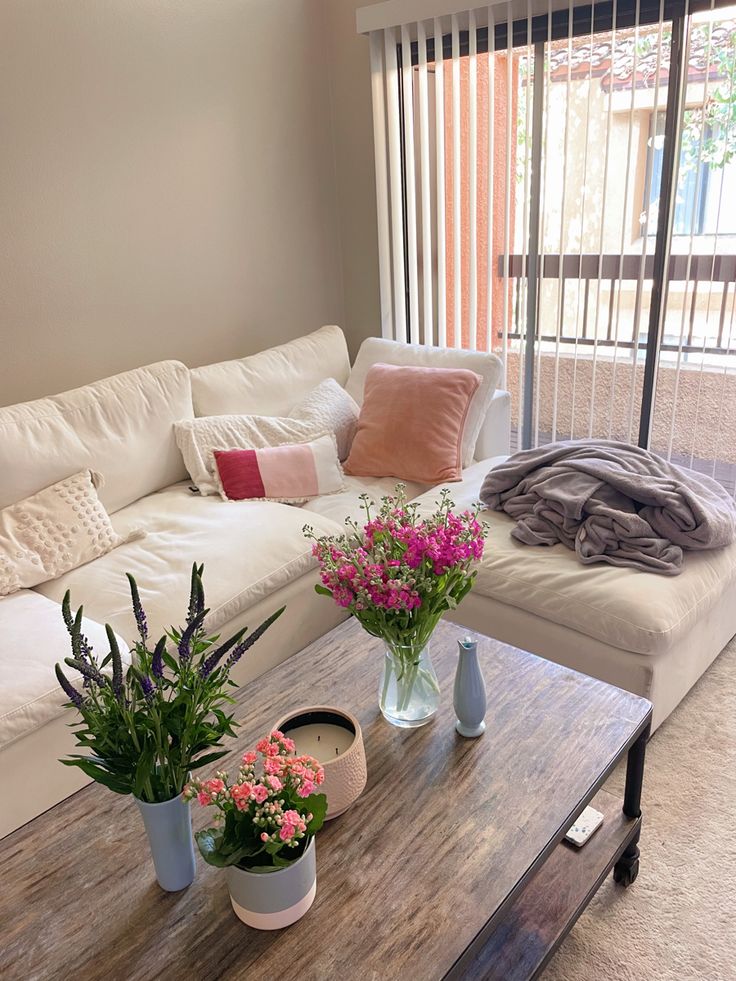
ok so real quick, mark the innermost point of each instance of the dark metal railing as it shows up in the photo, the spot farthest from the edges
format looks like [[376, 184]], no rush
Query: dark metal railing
[[613, 269]]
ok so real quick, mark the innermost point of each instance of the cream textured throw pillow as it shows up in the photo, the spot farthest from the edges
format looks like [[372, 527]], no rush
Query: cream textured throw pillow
[[199, 438], [328, 407], [54, 531]]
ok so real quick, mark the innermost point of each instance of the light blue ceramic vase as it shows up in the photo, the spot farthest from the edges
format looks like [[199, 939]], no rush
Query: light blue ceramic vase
[[169, 830], [470, 690]]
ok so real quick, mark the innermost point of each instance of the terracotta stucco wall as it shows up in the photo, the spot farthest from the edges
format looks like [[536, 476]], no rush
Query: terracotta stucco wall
[[705, 404], [483, 200]]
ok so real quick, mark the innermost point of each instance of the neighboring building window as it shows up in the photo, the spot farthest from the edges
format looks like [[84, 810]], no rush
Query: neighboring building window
[[706, 183]]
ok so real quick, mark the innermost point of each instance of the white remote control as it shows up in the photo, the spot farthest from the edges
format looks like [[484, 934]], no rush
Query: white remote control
[[588, 822]]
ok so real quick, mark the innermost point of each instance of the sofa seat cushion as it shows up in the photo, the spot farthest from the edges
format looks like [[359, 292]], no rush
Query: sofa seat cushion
[[34, 640], [249, 549], [344, 505], [634, 611]]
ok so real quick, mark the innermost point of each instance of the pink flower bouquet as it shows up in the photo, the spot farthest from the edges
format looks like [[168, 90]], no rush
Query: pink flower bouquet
[[398, 574], [267, 817]]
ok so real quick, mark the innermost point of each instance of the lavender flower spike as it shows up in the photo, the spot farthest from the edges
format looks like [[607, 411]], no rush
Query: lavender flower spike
[[88, 671], [185, 644], [147, 687], [211, 662], [243, 646], [138, 611], [157, 661], [77, 636], [196, 593], [69, 690], [117, 662]]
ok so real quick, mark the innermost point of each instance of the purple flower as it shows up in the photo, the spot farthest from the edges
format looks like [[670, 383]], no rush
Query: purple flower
[[243, 646], [70, 691], [80, 645], [117, 662], [147, 687], [138, 611], [88, 671], [185, 642], [211, 662], [157, 661], [196, 594]]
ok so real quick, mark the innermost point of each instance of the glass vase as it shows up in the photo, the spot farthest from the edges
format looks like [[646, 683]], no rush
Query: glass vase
[[409, 692]]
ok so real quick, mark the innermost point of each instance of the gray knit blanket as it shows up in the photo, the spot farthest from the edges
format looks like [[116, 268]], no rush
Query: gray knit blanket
[[611, 502]]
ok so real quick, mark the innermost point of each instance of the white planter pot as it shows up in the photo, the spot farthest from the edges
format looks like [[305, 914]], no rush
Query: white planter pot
[[272, 900]]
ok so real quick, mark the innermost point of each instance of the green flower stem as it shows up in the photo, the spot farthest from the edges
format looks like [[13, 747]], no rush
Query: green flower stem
[[386, 683], [408, 672]]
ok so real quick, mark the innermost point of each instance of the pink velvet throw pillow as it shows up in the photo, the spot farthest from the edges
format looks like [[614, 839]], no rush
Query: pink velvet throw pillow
[[291, 474], [411, 423]]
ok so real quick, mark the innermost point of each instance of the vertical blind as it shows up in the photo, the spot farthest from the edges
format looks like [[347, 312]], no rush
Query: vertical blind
[[552, 188]]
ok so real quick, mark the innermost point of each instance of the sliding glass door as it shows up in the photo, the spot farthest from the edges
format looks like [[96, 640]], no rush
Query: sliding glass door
[[694, 414], [555, 191]]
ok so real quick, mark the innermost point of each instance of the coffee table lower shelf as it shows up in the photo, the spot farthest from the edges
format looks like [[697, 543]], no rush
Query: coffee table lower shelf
[[540, 918]]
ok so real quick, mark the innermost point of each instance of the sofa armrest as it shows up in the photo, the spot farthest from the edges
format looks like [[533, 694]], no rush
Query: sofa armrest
[[494, 438]]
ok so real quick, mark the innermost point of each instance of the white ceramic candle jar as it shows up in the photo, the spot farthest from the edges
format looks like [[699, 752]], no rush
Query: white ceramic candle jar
[[333, 737]]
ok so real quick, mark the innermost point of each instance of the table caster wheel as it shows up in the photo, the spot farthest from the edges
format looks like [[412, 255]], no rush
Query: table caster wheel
[[626, 872]]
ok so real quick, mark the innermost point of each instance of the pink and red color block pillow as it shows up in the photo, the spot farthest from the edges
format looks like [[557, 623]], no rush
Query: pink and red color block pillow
[[291, 474]]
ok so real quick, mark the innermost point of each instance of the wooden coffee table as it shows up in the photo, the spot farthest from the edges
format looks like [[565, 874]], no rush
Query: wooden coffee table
[[450, 865]]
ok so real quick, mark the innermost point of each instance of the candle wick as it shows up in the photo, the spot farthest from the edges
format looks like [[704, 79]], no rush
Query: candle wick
[[318, 738], [337, 751]]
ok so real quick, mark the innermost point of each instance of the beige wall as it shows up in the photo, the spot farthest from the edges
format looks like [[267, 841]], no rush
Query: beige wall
[[167, 184], [356, 174]]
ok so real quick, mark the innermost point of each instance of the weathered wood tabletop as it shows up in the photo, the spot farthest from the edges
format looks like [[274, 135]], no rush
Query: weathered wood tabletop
[[407, 879]]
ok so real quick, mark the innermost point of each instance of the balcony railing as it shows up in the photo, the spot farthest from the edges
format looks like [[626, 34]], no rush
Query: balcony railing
[[699, 271]]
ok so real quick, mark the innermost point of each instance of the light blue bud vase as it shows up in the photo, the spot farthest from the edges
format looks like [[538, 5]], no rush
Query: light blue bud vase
[[169, 830], [470, 690]]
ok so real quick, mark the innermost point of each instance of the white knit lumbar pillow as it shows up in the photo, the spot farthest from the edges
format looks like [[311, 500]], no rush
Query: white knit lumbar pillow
[[54, 531], [199, 438], [328, 407]]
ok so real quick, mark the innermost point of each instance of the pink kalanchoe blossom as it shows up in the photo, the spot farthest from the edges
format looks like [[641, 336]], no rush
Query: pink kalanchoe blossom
[[241, 795], [214, 786], [267, 797], [260, 793], [295, 818]]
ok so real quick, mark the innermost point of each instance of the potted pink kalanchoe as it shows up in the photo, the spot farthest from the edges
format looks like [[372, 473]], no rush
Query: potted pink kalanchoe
[[398, 574], [264, 833]]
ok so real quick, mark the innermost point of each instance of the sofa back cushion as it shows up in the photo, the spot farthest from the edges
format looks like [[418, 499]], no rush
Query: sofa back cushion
[[377, 350], [120, 427], [271, 382]]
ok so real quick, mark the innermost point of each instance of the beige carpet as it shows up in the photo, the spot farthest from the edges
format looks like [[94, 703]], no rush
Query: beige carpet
[[677, 922]]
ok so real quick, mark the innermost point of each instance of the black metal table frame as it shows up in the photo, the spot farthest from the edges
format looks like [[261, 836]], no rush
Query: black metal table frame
[[625, 864]]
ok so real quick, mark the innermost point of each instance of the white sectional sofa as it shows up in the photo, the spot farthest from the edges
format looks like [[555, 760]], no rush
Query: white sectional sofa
[[650, 634]]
